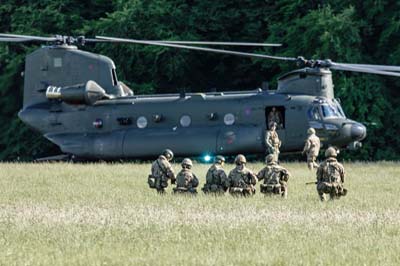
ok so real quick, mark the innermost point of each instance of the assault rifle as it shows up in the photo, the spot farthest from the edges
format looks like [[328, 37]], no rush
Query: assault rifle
[[312, 183]]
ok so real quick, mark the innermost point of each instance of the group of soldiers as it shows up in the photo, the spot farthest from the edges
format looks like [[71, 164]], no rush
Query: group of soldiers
[[241, 181]]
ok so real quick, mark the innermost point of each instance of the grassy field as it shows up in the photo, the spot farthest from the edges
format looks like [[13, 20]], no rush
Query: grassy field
[[104, 214]]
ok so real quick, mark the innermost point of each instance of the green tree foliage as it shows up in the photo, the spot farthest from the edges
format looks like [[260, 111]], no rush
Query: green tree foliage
[[345, 31]]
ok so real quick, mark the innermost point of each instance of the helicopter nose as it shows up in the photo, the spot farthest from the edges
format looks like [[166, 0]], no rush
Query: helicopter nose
[[358, 132]]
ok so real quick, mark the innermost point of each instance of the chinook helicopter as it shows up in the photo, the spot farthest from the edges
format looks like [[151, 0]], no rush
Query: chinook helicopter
[[74, 99]]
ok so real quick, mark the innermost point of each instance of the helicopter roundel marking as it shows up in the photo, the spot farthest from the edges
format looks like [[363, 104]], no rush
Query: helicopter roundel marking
[[229, 119], [98, 123], [91, 67], [230, 137], [247, 111]]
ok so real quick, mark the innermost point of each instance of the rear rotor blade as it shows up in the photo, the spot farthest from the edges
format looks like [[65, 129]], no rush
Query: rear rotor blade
[[120, 40]]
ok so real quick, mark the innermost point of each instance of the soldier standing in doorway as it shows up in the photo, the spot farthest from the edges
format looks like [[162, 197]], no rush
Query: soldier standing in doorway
[[275, 116]]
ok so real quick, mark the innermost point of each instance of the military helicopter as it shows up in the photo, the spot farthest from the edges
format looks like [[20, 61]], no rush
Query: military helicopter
[[75, 100]]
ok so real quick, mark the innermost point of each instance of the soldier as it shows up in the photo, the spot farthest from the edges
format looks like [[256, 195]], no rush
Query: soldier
[[216, 179], [275, 178], [241, 180], [275, 116], [161, 171], [330, 176], [272, 141], [311, 148], [186, 181]]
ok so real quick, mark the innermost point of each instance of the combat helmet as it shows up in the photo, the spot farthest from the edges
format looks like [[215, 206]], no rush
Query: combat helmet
[[273, 124], [240, 159], [187, 163], [219, 159], [270, 158], [310, 131], [330, 152], [168, 154]]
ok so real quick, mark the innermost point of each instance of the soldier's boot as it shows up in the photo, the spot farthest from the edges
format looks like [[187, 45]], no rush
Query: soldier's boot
[[161, 191], [321, 196], [333, 196], [342, 192], [192, 191]]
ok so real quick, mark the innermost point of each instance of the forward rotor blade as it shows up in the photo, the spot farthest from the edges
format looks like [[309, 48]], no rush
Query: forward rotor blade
[[29, 37], [13, 40], [221, 43], [377, 67], [345, 67], [120, 40]]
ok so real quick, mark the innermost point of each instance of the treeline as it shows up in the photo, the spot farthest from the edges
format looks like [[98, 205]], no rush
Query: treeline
[[345, 31]]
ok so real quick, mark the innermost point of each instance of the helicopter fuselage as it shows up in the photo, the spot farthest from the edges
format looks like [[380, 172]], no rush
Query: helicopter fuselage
[[191, 124]]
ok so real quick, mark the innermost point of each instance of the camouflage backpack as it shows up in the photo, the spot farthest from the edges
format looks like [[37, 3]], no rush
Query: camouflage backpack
[[332, 172]]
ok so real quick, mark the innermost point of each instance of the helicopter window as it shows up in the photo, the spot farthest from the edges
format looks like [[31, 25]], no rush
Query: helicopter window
[[339, 108], [330, 110], [141, 122], [313, 113], [275, 114], [114, 77], [57, 62], [185, 121]]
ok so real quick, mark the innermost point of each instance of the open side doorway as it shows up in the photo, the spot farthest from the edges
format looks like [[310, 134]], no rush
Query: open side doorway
[[277, 114]]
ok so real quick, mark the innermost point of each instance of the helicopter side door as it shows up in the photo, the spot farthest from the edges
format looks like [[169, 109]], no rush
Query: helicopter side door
[[296, 127]]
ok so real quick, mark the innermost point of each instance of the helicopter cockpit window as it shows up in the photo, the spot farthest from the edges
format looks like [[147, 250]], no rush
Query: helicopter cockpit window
[[331, 110], [313, 113], [114, 77], [339, 107]]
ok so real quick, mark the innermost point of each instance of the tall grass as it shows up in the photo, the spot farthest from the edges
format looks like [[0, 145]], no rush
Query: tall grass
[[104, 214]]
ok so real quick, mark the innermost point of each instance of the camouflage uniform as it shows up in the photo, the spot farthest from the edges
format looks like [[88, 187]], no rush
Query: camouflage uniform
[[216, 179], [241, 180], [275, 178], [272, 141], [330, 177], [161, 171], [311, 148], [186, 181]]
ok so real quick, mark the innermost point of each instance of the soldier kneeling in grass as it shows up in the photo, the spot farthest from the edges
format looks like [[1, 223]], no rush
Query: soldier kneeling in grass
[[241, 180], [216, 179], [275, 178], [161, 172], [186, 181], [330, 176]]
